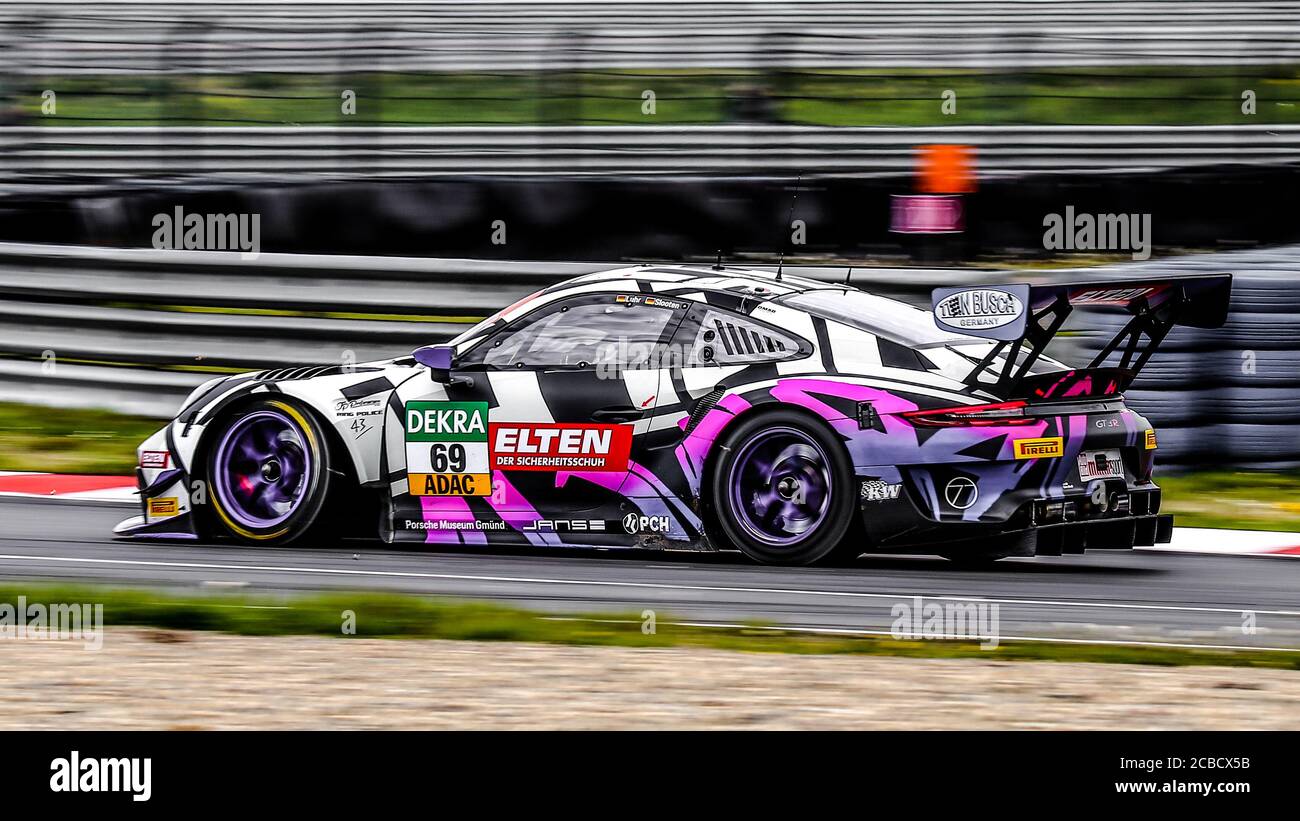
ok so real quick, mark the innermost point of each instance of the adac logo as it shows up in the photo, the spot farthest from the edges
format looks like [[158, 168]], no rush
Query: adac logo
[[1044, 448], [1151, 439]]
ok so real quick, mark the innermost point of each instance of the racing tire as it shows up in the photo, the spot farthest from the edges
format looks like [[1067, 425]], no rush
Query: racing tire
[[268, 472], [782, 490]]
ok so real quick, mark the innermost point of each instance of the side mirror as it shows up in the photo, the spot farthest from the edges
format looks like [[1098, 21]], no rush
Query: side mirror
[[438, 359]]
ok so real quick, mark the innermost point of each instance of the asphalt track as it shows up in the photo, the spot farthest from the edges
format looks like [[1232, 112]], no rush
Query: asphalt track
[[1112, 596]]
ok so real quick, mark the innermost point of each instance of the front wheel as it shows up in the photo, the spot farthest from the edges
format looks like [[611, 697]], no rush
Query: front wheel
[[782, 490], [269, 473]]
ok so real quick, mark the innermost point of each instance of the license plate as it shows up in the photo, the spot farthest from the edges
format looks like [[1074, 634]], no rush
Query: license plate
[[1101, 464]]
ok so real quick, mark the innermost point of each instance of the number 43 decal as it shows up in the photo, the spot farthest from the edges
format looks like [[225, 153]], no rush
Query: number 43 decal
[[359, 427]]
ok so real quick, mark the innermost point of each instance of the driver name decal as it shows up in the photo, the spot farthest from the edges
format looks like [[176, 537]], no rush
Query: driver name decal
[[447, 449]]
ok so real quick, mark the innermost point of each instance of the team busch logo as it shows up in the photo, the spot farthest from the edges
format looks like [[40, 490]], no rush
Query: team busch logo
[[996, 312], [981, 308]]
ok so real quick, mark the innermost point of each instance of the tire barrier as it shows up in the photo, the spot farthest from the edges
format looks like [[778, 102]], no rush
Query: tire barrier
[[45, 155]]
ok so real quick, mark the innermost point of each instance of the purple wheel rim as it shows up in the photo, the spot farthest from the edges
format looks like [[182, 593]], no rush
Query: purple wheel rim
[[780, 486], [263, 469]]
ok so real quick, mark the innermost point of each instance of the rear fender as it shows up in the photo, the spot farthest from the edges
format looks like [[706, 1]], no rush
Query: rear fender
[[834, 401]]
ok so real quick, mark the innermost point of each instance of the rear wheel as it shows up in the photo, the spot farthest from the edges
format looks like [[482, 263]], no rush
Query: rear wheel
[[781, 491], [269, 473]]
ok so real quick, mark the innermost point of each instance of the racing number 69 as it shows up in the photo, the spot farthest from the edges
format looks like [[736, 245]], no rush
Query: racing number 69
[[447, 458]]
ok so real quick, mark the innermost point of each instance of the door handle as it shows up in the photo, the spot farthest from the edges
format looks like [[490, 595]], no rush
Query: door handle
[[618, 413]]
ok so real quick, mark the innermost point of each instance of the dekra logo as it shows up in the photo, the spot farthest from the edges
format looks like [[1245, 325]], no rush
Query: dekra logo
[[455, 420]]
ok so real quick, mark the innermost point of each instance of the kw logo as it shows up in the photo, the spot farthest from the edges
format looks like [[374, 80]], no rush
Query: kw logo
[[876, 491]]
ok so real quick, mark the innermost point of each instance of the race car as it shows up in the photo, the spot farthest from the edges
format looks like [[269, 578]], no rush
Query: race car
[[700, 408]]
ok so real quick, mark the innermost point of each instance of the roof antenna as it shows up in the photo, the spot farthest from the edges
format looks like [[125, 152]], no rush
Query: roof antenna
[[848, 278], [717, 266], [789, 221]]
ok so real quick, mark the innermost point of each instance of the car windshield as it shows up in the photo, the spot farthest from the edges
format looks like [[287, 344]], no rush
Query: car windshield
[[481, 327], [484, 325], [877, 315]]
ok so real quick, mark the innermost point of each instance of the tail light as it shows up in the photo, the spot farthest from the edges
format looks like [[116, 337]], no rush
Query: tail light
[[1000, 413]]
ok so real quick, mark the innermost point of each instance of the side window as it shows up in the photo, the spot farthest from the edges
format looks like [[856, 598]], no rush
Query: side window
[[581, 332], [893, 355], [724, 338]]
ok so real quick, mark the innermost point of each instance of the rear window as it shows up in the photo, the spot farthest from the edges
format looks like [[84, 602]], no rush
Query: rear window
[[877, 315]]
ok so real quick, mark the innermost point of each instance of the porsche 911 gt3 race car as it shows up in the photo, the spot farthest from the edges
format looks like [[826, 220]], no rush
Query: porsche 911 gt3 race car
[[696, 408]]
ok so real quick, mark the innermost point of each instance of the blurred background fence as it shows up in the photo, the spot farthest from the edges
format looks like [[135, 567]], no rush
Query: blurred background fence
[[32, 154], [371, 138], [120, 38], [813, 63], [136, 330]]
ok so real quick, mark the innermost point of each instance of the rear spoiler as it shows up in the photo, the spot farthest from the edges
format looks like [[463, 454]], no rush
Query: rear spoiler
[[1024, 318]]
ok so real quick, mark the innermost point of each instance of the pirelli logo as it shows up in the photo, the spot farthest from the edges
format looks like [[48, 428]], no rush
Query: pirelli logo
[[1151, 439], [164, 506], [1039, 448]]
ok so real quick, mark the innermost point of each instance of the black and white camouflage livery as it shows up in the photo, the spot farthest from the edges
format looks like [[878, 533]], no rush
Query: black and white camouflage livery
[[698, 408]]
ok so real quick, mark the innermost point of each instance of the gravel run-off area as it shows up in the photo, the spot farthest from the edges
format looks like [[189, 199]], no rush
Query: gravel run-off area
[[156, 679]]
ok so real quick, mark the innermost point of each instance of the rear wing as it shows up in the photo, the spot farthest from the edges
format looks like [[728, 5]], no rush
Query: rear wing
[[1022, 319]]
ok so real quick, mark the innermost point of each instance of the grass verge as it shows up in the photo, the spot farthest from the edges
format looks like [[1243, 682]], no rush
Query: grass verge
[[60, 440], [411, 617], [1238, 500], [1122, 95]]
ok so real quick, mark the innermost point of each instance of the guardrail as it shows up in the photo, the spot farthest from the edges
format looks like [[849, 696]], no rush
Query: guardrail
[[125, 38], [135, 330], [42, 154]]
